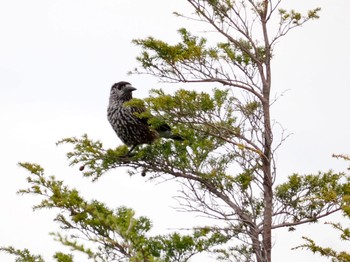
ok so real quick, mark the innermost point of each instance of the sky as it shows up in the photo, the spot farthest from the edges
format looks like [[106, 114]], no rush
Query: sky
[[58, 60]]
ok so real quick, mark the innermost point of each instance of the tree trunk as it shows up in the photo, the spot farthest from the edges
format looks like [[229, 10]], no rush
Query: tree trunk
[[268, 181]]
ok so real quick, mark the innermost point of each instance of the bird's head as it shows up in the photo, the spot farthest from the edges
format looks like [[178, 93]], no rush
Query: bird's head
[[122, 90]]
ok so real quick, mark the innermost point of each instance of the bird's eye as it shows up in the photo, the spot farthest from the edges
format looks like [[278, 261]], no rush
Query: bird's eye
[[119, 87]]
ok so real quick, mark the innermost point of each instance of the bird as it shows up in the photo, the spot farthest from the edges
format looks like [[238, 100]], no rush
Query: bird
[[131, 129]]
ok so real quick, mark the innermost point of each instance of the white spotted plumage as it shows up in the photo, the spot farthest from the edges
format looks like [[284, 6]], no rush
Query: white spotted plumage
[[130, 129]]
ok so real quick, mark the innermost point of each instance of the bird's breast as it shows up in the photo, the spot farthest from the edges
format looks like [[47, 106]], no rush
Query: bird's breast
[[129, 128]]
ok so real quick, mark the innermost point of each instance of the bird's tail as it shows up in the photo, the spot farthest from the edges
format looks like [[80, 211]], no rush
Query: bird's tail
[[164, 130], [177, 137], [169, 135]]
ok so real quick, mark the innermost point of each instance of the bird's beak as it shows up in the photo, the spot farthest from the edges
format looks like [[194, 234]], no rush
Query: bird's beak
[[130, 88]]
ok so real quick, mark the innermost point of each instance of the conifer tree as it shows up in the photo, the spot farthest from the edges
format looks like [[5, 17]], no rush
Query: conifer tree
[[225, 166]]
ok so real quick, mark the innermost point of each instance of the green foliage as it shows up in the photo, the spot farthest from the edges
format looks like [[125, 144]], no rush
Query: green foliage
[[209, 122], [309, 196], [328, 252], [188, 58], [215, 136], [206, 121], [22, 255], [332, 191], [224, 165], [205, 113], [95, 160], [296, 18], [61, 257], [103, 234], [242, 53], [190, 48], [342, 156], [91, 219], [176, 247]]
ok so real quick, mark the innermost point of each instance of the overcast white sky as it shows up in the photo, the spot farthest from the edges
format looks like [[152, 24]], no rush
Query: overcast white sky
[[58, 59]]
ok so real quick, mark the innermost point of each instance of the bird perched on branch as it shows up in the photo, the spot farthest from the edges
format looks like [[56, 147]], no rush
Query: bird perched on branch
[[131, 129]]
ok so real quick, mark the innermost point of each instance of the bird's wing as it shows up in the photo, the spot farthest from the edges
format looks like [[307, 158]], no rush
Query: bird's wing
[[162, 128], [140, 110]]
